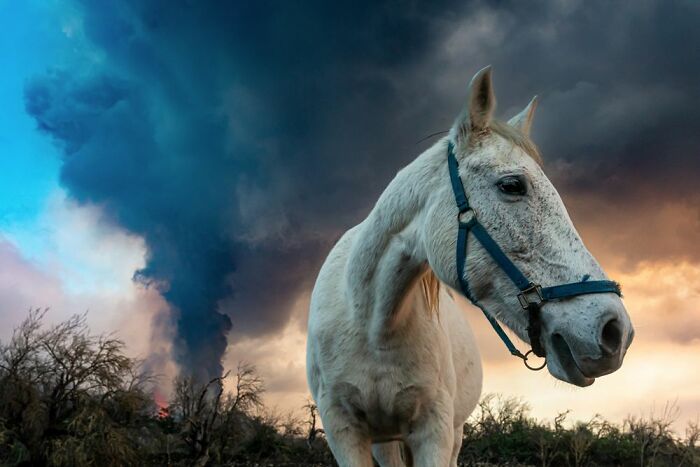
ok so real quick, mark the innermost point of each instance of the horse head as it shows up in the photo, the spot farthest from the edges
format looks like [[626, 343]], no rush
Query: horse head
[[585, 333]]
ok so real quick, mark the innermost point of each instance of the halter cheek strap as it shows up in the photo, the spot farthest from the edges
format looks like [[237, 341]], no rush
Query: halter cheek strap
[[532, 296]]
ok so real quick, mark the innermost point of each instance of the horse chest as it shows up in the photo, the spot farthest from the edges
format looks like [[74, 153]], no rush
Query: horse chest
[[384, 408], [385, 391]]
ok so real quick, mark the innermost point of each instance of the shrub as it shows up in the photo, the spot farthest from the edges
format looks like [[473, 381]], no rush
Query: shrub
[[70, 398]]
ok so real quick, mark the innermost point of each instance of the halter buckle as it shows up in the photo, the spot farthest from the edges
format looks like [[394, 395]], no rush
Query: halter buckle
[[532, 291]]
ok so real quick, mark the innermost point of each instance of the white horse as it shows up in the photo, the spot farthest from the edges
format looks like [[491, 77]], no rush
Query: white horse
[[392, 360]]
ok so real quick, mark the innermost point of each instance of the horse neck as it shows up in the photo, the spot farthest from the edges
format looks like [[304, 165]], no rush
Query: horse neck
[[388, 257]]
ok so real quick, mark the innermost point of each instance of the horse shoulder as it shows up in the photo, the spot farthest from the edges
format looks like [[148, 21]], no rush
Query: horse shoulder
[[330, 325], [328, 295]]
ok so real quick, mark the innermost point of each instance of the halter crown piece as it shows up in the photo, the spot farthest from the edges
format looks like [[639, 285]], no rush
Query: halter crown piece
[[532, 296]]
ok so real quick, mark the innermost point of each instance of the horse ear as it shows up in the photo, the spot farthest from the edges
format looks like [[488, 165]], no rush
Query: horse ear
[[482, 102], [523, 121]]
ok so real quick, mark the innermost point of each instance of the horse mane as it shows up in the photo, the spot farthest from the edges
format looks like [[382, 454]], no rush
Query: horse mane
[[430, 288]]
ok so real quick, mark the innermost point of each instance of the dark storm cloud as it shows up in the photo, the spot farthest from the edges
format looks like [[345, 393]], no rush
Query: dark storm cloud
[[240, 141], [231, 139], [618, 118], [113, 157]]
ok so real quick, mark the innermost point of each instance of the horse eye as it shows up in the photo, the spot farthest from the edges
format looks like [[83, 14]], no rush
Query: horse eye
[[512, 186]]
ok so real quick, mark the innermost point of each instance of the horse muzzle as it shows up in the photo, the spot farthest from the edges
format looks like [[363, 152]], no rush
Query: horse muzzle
[[586, 347]]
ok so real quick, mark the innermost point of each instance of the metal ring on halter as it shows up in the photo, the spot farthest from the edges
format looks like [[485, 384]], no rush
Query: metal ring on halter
[[467, 212], [534, 368]]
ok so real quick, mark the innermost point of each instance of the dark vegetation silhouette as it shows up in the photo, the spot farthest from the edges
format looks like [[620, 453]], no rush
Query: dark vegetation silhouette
[[71, 398]]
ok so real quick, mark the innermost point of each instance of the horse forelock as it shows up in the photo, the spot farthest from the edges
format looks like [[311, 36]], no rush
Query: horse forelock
[[518, 138]]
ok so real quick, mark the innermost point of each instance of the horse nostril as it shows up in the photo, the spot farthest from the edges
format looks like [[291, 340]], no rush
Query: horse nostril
[[611, 337]]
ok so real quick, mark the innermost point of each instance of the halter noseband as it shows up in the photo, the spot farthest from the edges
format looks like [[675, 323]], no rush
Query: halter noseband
[[532, 296]]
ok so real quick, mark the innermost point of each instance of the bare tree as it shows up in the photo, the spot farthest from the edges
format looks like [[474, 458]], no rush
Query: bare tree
[[241, 403], [313, 431], [212, 417], [77, 364], [199, 406], [690, 451], [60, 387]]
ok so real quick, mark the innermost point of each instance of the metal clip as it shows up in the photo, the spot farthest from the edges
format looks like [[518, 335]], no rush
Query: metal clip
[[534, 368]]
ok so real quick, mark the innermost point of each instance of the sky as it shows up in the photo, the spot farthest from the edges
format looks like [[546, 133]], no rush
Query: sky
[[181, 169]]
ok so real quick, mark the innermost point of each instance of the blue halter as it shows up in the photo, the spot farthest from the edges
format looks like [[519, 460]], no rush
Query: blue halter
[[532, 296]]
